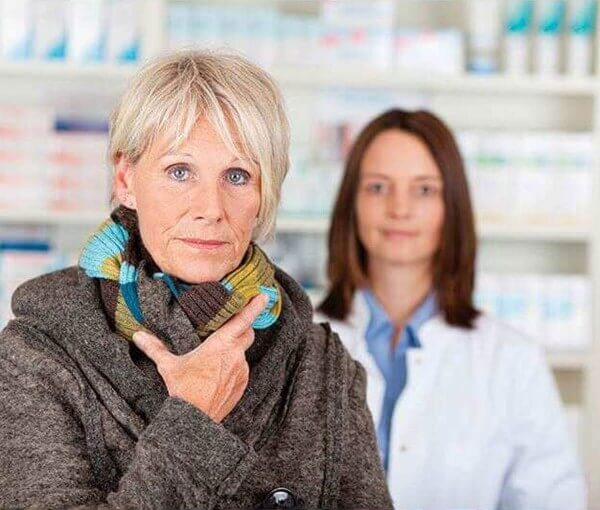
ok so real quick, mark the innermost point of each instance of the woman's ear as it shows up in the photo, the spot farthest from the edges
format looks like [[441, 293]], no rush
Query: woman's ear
[[123, 188]]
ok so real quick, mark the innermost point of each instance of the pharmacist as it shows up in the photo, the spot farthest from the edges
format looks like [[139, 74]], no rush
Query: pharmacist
[[466, 411]]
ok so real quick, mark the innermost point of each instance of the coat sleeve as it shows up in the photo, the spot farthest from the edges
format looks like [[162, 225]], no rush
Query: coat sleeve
[[182, 459], [362, 483], [545, 471]]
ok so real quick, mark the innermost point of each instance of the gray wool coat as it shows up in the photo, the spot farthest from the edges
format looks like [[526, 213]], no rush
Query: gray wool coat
[[86, 421]]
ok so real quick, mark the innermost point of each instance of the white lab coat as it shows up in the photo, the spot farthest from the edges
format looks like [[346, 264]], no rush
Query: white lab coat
[[479, 424]]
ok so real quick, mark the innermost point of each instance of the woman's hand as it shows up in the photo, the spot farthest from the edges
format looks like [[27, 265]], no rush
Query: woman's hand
[[214, 376]]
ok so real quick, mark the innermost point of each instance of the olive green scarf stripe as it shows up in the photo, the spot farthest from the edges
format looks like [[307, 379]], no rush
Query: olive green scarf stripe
[[246, 262], [256, 269], [125, 322], [260, 273]]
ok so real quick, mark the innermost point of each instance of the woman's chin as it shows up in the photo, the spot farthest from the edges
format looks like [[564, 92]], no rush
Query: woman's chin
[[202, 276], [200, 269], [400, 257]]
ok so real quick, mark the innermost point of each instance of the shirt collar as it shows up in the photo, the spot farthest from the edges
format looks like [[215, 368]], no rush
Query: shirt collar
[[380, 321], [426, 310]]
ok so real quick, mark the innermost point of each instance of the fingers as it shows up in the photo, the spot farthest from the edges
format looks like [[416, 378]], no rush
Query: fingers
[[241, 322], [152, 347], [246, 339]]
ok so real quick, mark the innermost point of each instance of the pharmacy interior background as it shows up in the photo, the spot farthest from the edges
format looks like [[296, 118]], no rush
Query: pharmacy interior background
[[516, 80]]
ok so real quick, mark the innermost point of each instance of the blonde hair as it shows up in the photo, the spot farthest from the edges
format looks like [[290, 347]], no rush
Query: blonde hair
[[240, 100]]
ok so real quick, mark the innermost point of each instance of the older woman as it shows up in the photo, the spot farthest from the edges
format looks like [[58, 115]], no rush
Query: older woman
[[176, 367]]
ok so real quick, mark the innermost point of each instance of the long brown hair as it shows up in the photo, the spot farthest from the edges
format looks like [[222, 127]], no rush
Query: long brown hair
[[454, 264]]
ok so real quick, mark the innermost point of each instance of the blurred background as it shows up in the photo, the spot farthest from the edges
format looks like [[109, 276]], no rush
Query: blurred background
[[516, 79]]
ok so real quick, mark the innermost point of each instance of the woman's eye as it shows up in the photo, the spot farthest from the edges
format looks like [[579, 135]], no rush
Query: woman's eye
[[179, 173], [375, 188], [427, 190], [238, 176]]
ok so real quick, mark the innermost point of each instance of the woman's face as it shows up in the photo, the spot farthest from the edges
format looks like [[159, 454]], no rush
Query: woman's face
[[400, 205], [197, 205]]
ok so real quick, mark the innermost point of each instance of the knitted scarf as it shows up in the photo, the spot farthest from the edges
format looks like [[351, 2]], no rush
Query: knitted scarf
[[113, 255]]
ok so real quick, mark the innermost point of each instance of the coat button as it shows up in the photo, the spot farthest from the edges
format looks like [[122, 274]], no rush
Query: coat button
[[280, 498]]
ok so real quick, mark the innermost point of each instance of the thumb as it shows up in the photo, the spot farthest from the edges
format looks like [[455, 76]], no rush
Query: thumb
[[152, 347]]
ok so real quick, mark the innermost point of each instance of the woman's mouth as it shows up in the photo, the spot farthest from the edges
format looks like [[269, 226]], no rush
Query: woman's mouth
[[203, 244], [399, 233]]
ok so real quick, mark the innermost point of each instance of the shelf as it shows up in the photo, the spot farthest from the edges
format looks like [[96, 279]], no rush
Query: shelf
[[464, 83], [499, 232], [316, 77], [567, 361], [516, 232], [317, 225], [53, 218], [67, 70]]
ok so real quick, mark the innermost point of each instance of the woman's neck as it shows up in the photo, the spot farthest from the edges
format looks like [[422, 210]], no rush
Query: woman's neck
[[400, 288]]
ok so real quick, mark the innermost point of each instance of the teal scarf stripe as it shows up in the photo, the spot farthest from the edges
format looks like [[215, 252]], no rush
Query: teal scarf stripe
[[169, 281], [108, 242], [128, 274], [128, 284], [130, 295], [266, 319]]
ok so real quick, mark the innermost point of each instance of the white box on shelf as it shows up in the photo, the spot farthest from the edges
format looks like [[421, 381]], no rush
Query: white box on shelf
[[262, 30], [22, 178], [49, 29], [206, 26], [517, 34], [484, 35], [233, 28], [537, 173], [432, 51], [359, 13], [16, 29], [582, 16], [24, 121], [301, 40], [345, 47], [86, 25], [78, 179], [552, 309], [123, 42], [356, 32], [180, 24], [550, 17]]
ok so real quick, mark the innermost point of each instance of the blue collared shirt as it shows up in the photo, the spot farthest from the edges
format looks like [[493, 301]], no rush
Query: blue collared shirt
[[392, 361]]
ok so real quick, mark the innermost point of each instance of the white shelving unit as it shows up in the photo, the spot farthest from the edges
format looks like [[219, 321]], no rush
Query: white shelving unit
[[341, 77], [52, 218], [345, 77], [494, 102], [486, 232]]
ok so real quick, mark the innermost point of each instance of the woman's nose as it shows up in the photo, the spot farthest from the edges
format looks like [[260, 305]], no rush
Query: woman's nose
[[207, 202], [399, 204]]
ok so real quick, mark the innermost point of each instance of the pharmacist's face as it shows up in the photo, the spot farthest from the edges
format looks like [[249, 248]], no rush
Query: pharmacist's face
[[400, 205], [197, 205]]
